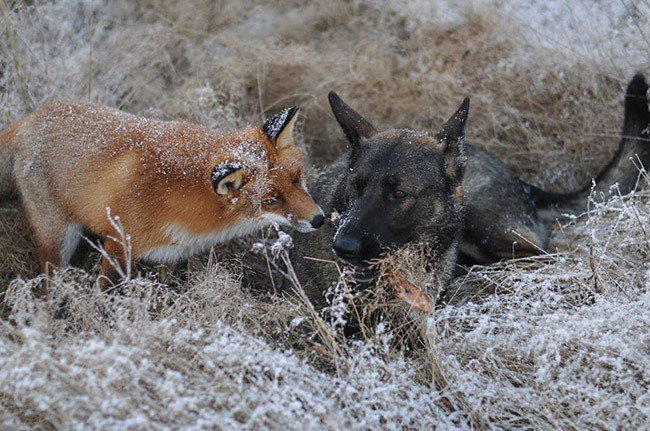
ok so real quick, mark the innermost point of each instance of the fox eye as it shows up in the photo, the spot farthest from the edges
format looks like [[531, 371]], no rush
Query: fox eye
[[399, 194], [296, 178], [272, 201]]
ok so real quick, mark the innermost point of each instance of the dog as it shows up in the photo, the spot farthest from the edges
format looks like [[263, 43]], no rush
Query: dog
[[401, 186]]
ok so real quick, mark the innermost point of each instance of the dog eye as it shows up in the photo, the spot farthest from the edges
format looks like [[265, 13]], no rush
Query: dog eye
[[399, 194], [272, 201]]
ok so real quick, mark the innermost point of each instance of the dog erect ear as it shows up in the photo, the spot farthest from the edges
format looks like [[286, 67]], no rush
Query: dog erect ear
[[354, 125], [280, 127], [227, 177], [452, 141]]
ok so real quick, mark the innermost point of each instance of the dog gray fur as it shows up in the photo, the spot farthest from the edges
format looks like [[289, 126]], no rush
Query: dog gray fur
[[399, 186]]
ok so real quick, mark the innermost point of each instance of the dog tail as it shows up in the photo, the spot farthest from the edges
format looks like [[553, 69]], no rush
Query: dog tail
[[622, 174], [7, 148]]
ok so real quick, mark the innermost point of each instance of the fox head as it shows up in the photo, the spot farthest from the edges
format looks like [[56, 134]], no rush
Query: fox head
[[271, 177], [402, 185]]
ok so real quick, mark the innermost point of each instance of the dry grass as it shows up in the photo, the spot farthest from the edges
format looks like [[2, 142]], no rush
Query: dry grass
[[557, 342], [562, 334]]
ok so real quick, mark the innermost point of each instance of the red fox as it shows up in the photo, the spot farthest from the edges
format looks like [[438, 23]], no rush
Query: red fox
[[176, 188]]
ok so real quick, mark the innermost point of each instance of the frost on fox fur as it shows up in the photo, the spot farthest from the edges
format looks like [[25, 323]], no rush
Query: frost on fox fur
[[158, 176], [224, 168], [275, 125], [184, 244]]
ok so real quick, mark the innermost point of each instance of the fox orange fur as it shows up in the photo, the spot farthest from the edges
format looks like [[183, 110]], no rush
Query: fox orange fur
[[176, 188]]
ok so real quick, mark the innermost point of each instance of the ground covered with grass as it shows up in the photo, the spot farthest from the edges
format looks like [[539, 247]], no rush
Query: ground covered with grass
[[556, 342]]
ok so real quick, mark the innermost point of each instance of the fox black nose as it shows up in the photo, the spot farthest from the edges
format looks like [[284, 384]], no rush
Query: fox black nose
[[347, 247], [318, 221]]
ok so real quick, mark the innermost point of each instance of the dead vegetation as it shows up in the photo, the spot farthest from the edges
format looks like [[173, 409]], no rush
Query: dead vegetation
[[556, 342]]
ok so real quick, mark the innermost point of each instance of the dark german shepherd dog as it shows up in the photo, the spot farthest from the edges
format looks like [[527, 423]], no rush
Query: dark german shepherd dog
[[399, 185]]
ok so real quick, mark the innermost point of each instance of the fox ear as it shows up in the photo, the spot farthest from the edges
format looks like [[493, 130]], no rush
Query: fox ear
[[451, 139], [227, 177], [353, 124], [280, 127]]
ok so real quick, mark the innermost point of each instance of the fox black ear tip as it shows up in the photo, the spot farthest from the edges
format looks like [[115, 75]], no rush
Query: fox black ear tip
[[465, 103], [293, 111]]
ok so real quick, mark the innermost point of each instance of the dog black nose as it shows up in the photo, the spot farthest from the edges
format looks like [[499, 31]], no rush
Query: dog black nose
[[318, 221], [347, 247]]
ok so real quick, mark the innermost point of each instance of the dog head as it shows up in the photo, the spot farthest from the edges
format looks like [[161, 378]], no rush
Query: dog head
[[402, 185]]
